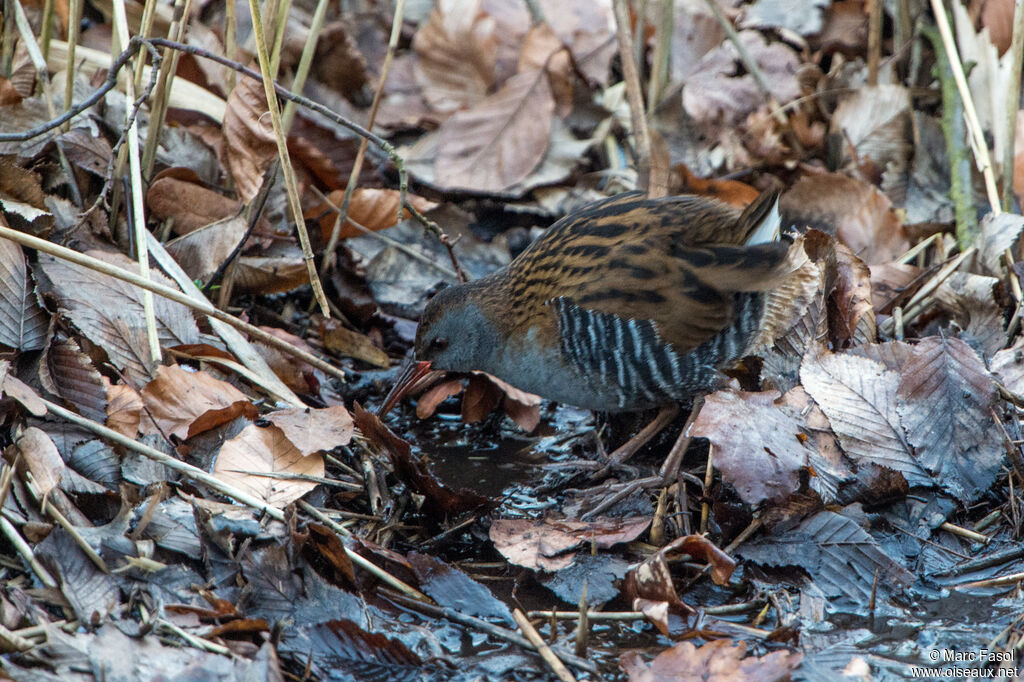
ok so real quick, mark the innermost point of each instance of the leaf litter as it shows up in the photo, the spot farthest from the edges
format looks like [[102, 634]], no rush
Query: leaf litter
[[850, 500]]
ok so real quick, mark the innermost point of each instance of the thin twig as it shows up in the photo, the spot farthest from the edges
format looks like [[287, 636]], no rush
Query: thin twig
[[22, 547], [290, 181], [197, 474], [357, 165], [979, 145], [634, 93], [874, 40], [316, 25], [543, 649]]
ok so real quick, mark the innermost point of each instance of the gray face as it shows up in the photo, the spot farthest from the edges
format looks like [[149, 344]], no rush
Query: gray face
[[454, 335]]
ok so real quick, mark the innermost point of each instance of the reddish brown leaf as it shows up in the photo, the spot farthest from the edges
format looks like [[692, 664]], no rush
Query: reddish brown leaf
[[763, 458], [374, 209], [546, 544], [854, 314], [249, 138], [186, 403]]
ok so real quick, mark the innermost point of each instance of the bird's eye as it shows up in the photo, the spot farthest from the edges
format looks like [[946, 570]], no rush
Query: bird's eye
[[438, 344]]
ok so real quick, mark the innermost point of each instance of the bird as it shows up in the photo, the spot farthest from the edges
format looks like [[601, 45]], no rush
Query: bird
[[626, 304]]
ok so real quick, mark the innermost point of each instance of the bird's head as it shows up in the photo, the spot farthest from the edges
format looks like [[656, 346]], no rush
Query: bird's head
[[454, 332]]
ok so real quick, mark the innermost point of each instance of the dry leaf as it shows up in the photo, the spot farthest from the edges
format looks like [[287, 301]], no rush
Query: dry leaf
[[498, 142], [457, 51], [23, 322], [249, 145], [312, 430], [266, 450], [186, 403]]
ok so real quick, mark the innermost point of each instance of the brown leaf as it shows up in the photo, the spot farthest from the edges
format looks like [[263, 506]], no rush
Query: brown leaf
[[720, 91], [312, 430], [110, 314], [859, 397], [87, 151], [14, 388], [762, 459], [41, 457], [192, 206], [427, 403], [457, 51], [352, 344], [338, 63], [854, 313], [203, 250], [374, 209], [855, 211], [481, 397], [543, 50], [23, 322], [266, 450], [717, 661], [846, 27], [186, 403], [875, 122], [546, 545], [124, 409], [67, 372], [499, 141], [249, 137], [268, 275], [22, 198]]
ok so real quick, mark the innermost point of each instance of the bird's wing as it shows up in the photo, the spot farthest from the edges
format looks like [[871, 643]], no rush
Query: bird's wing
[[688, 297], [675, 262]]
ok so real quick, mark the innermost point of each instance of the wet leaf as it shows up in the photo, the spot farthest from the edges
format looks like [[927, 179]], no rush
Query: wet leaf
[[840, 557], [859, 397], [946, 397], [762, 460], [547, 545]]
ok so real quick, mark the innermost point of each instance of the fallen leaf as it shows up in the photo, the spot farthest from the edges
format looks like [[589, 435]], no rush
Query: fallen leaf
[[250, 461], [184, 403], [500, 140], [313, 430], [457, 50]]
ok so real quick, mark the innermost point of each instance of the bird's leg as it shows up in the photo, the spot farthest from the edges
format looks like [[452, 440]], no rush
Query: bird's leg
[[664, 417], [670, 467]]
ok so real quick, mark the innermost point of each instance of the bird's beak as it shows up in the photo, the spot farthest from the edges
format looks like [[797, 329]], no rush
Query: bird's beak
[[404, 384]]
